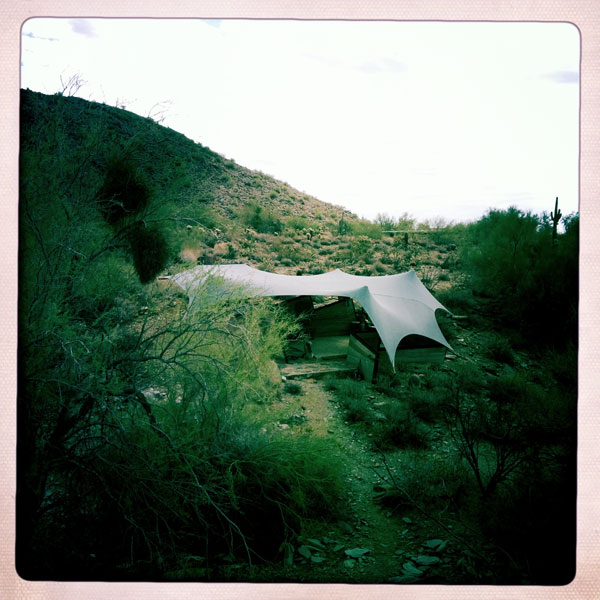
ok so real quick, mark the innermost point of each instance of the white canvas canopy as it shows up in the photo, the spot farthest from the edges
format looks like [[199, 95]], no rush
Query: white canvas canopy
[[398, 305]]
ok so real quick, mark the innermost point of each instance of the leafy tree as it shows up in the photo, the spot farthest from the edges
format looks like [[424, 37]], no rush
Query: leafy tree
[[135, 459], [531, 282]]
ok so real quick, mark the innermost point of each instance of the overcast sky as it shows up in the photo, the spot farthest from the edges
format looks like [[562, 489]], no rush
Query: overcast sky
[[431, 119]]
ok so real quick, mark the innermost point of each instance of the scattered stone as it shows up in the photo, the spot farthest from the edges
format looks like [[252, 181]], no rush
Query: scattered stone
[[357, 552], [410, 569], [435, 545], [346, 527]]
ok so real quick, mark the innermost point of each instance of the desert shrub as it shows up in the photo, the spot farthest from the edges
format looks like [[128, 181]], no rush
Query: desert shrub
[[533, 518], [316, 270], [261, 219], [430, 483], [443, 236], [106, 290], [287, 262], [365, 228], [149, 250], [297, 223], [427, 404], [357, 409], [456, 299], [502, 431], [500, 350], [388, 223], [562, 367], [449, 262], [389, 385], [353, 398], [133, 483], [532, 279], [430, 276], [124, 190], [361, 249], [399, 428], [292, 388]]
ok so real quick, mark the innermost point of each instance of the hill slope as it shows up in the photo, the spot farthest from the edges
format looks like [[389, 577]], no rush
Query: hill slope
[[206, 198]]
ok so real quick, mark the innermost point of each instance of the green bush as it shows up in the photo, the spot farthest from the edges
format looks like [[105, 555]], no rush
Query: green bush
[[427, 405], [366, 229], [297, 223], [149, 250], [500, 350], [533, 518], [261, 219], [292, 388], [124, 190], [358, 410], [531, 280], [456, 299], [431, 483], [352, 395], [108, 290], [400, 428]]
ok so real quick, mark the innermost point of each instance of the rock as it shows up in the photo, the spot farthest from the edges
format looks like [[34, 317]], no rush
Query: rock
[[357, 552], [427, 560], [346, 527], [435, 544], [410, 569]]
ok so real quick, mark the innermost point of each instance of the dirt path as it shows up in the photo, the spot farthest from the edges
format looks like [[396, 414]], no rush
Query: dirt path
[[367, 526]]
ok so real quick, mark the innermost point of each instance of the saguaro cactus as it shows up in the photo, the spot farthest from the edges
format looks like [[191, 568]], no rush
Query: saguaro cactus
[[555, 216]]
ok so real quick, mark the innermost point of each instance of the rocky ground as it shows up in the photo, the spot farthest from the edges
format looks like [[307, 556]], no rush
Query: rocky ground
[[371, 543]]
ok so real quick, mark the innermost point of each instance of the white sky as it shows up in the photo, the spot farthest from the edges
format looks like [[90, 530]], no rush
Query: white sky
[[432, 119]]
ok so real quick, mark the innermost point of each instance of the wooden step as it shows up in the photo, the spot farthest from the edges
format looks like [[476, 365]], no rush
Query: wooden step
[[315, 370]]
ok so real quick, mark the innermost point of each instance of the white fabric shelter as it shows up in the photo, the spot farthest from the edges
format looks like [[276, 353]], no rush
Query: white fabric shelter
[[398, 305]]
